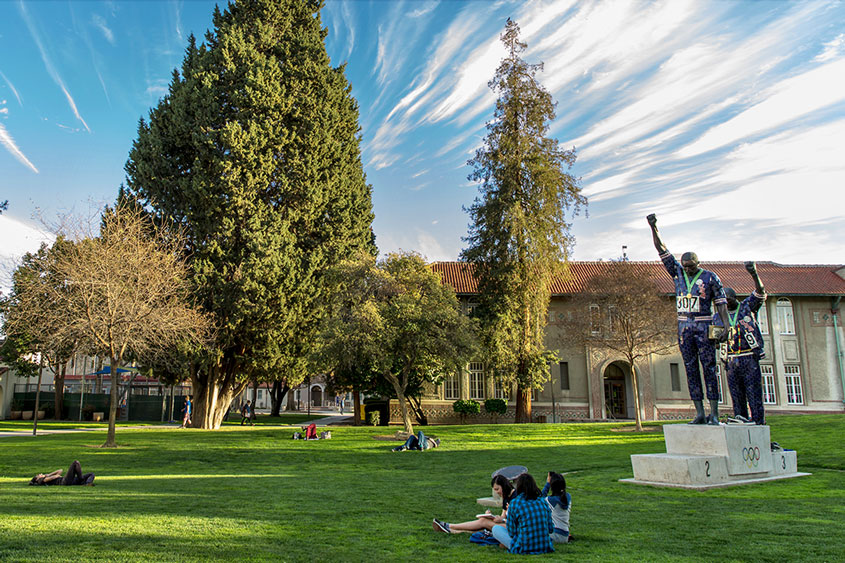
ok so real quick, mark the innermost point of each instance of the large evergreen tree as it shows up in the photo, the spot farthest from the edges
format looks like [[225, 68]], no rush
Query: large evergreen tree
[[254, 152], [519, 239]]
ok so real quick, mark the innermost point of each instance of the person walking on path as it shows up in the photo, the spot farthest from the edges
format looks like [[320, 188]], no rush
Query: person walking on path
[[186, 412], [246, 414]]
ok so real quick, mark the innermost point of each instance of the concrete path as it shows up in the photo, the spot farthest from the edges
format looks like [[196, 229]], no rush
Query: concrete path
[[322, 419]]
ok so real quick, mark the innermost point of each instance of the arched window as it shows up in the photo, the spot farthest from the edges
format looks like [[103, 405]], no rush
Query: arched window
[[763, 319], [786, 321], [595, 319]]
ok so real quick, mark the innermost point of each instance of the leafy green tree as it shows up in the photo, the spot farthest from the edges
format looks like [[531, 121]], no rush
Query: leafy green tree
[[519, 239], [255, 153], [395, 318], [35, 286]]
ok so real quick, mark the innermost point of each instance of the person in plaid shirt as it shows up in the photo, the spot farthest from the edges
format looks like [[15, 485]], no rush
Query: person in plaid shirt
[[529, 520]]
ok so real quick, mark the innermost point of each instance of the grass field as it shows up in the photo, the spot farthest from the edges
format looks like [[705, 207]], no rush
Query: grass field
[[251, 493]]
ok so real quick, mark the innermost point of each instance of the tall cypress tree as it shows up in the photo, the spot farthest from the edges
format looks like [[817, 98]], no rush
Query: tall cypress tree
[[519, 239], [255, 153]]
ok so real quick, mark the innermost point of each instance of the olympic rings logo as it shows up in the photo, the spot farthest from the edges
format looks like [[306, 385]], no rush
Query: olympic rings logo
[[751, 456]]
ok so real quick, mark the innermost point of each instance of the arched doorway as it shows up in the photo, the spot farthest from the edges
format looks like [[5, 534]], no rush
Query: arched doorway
[[316, 396], [615, 392]]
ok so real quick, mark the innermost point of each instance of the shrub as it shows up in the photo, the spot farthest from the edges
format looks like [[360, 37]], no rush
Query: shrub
[[374, 417], [16, 405], [88, 412], [464, 408], [49, 410], [495, 407]]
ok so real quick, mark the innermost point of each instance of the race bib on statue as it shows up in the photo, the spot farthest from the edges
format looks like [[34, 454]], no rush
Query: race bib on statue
[[687, 304]]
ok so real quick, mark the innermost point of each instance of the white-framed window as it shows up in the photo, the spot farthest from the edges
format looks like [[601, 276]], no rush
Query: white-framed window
[[476, 380], [612, 318], [768, 373], [451, 388], [763, 319], [794, 392], [786, 320], [719, 382], [500, 391], [534, 395], [595, 319]]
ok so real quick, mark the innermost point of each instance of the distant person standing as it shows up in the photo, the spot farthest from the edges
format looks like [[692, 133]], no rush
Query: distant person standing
[[186, 412], [246, 413], [342, 404]]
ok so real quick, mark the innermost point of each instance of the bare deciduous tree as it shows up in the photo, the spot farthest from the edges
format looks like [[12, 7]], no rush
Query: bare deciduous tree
[[117, 294], [621, 309]]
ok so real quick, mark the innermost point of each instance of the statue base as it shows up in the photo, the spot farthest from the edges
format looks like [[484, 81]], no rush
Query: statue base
[[703, 457]]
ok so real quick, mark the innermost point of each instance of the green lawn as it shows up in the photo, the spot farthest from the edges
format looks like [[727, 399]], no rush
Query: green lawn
[[253, 494]]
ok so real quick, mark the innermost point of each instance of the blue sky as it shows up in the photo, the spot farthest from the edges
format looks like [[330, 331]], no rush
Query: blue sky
[[727, 119]]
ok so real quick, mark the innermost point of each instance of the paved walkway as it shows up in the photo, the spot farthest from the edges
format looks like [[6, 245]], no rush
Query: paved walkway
[[323, 419]]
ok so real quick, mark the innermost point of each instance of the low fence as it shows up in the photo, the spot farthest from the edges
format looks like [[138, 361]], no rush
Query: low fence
[[141, 407]]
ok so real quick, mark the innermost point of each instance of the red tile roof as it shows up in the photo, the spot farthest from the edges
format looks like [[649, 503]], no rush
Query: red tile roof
[[778, 279]]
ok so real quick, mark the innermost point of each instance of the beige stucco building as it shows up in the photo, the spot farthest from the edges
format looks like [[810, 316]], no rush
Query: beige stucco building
[[802, 370]]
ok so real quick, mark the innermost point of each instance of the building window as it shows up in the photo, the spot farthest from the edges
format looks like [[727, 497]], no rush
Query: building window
[[595, 319], [612, 318], [768, 385], [675, 376], [719, 382], [500, 391], [476, 380], [794, 393], [564, 376], [450, 387], [786, 321], [763, 319], [534, 395]]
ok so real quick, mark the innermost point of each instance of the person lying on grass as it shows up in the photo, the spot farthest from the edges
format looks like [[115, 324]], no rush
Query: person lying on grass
[[561, 503], [418, 442], [74, 476], [501, 487], [529, 522]]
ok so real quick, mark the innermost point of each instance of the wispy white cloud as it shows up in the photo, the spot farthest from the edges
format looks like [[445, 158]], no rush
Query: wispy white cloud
[[832, 49], [426, 8], [12, 88], [782, 103], [51, 70], [100, 23], [18, 238], [9, 144]]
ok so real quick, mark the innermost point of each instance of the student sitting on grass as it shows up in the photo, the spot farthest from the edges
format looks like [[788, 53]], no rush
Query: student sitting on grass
[[501, 487], [529, 522], [561, 503], [74, 477]]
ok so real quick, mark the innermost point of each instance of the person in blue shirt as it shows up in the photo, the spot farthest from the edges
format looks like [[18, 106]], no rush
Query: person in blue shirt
[[744, 349], [529, 520], [695, 290], [561, 503]]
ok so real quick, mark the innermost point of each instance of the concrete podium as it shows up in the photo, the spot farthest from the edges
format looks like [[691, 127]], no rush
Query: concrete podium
[[700, 456]]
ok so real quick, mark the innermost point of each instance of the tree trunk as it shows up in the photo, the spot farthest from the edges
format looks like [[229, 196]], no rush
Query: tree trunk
[[113, 398], [37, 399], [403, 404], [213, 393], [98, 385], [523, 405], [277, 396], [59, 400], [416, 406], [254, 400], [636, 385], [356, 407]]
